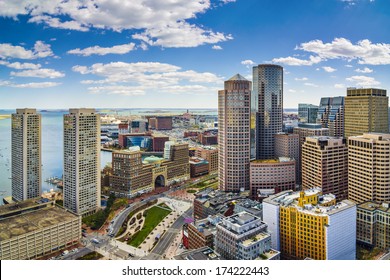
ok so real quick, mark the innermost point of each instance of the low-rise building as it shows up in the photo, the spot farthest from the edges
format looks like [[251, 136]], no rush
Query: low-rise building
[[36, 227], [201, 233], [198, 167], [200, 254]]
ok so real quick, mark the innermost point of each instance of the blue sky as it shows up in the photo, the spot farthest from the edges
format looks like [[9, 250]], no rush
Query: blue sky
[[177, 53]]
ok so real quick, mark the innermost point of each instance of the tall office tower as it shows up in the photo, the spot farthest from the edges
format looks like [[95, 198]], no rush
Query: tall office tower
[[267, 105], [308, 224], [307, 113], [325, 165], [82, 161], [234, 134], [26, 154], [366, 110], [336, 117], [287, 145], [369, 167], [324, 110]]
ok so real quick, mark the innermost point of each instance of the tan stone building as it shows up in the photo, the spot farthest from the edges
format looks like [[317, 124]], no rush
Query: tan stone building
[[369, 167], [366, 110], [325, 165], [36, 227], [210, 154], [287, 145]]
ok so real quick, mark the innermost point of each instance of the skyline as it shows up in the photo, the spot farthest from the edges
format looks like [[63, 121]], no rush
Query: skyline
[[175, 54]]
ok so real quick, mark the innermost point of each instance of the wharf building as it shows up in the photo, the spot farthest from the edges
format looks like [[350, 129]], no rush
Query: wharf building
[[234, 134], [325, 164], [270, 176], [287, 145], [26, 154], [308, 224], [307, 113], [373, 224], [266, 109], [34, 228], [82, 178], [366, 110], [369, 167], [131, 176], [244, 237]]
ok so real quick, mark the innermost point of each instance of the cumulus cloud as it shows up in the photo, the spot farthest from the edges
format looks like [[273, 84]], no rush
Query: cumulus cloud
[[329, 69], [247, 62], [301, 79], [39, 73], [310, 85], [293, 61], [364, 70], [97, 50], [216, 47], [292, 90], [161, 23], [36, 85], [40, 50], [18, 65], [339, 86], [363, 81], [127, 78]]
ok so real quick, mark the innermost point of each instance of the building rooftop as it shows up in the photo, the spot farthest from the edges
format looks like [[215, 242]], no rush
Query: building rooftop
[[207, 226], [267, 255], [373, 206], [237, 77], [204, 253], [19, 224], [253, 240], [274, 160]]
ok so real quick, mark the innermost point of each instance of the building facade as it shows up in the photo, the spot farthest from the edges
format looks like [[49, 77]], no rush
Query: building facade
[[210, 154], [81, 177], [369, 167], [307, 113], [308, 224], [271, 176], [266, 109], [336, 117], [287, 145], [325, 165], [366, 110], [26, 154], [234, 134]]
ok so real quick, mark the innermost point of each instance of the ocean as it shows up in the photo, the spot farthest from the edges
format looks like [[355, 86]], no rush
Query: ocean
[[52, 142]]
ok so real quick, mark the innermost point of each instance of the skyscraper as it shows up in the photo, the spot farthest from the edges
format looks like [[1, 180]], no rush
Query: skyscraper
[[323, 111], [366, 110], [267, 105], [336, 117], [82, 161], [234, 134], [325, 165], [26, 154], [369, 168], [307, 113]]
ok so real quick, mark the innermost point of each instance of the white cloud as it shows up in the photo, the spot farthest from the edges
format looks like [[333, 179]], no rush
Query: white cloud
[[301, 79], [363, 81], [40, 50], [247, 62], [161, 23], [365, 70], [310, 85], [340, 48], [293, 61], [292, 90], [39, 73], [339, 86], [329, 69], [216, 47], [127, 78], [119, 49], [228, 1], [348, 65], [36, 85], [18, 65]]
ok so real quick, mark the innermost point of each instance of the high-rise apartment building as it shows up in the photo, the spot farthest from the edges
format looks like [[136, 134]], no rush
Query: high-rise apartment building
[[287, 145], [307, 113], [234, 134], [325, 165], [82, 161], [26, 154], [266, 109], [369, 167], [366, 110], [308, 224]]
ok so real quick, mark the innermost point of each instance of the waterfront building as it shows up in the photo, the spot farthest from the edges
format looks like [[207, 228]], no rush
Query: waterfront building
[[243, 236], [26, 165], [307, 113], [34, 228], [369, 167], [287, 145], [270, 176], [234, 134], [325, 165], [373, 224], [366, 110], [266, 109], [308, 224], [82, 161]]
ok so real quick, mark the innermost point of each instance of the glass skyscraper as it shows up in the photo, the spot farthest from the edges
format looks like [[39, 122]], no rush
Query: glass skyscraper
[[266, 109]]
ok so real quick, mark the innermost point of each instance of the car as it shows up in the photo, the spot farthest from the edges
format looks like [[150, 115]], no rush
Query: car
[[94, 240], [75, 250], [64, 253]]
